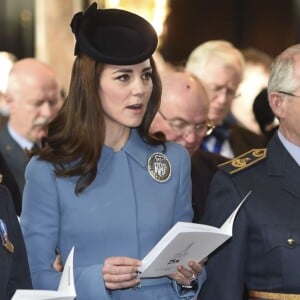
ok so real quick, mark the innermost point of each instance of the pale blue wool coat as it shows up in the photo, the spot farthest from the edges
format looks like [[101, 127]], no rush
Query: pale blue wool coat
[[124, 212]]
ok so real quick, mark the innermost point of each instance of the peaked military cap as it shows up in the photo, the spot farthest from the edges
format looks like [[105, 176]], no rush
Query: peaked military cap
[[113, 36]]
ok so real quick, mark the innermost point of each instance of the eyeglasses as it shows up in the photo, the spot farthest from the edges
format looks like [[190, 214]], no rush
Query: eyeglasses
[[183, 127], [288, 94], [223, 90]]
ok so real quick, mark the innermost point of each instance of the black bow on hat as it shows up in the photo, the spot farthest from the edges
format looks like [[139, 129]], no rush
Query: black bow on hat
[[113, 36]]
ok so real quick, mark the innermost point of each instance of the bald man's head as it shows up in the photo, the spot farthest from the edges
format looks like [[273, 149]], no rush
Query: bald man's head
[[32, 97], [183, 111]]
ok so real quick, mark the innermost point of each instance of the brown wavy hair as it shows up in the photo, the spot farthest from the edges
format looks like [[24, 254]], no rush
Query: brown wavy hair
[[71, 144]]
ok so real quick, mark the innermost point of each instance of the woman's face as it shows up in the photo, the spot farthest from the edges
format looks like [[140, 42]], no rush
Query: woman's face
[[125, 92]]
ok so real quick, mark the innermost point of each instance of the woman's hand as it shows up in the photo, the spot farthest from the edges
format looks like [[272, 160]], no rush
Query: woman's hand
[[120, 272], [57, 264], [186, 277]]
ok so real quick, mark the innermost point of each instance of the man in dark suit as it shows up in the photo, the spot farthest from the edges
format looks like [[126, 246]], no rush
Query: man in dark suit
[[204, 166], [14, 270], [7, 179], [33, 99], [262, 258], [220, 66], [182, 117]]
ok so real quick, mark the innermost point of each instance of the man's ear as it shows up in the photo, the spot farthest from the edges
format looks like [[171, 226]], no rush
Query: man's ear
[[6, 98], [9, 101], [276, 101]]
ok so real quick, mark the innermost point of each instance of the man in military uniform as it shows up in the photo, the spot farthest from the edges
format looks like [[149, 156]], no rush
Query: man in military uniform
[[262, 258]]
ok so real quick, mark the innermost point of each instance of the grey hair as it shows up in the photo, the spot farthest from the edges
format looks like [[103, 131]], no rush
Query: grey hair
[[222, 50], [282, 71]]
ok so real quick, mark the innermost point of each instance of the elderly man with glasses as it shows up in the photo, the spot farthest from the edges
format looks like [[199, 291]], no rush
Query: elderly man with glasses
[[183, 118], [220, 66]]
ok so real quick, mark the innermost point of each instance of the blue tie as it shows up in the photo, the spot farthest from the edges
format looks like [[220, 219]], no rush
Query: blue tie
[[221, 133]]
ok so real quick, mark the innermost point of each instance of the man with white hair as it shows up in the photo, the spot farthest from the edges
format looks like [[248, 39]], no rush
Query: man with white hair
[[262, 258], [33, 99], [220, 66]]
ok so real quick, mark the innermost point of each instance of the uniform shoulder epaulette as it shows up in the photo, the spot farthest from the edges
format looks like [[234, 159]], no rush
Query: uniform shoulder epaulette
[[243, 161]]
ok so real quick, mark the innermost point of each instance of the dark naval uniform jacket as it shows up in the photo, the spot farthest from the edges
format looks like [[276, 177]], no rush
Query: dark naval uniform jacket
[[264, 252], [14, 270]]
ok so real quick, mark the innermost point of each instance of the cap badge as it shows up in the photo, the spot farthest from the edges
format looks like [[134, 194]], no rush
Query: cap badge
[[159, 167]]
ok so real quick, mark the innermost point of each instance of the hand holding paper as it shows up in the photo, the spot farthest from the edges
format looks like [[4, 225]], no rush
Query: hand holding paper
[[186, 242], [66, 289]]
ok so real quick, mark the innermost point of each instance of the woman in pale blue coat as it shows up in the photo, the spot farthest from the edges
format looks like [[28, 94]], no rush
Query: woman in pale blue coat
[[101, 182]]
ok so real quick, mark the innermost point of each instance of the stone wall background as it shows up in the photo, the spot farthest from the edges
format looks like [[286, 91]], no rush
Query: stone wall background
[[54, 41]]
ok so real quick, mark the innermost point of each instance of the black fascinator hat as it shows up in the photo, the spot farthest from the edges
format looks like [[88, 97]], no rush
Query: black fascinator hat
[[113, 36]]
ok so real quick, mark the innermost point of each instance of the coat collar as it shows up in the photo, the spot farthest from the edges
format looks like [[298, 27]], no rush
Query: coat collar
[[135, 147], [281, 163], [138, 149]]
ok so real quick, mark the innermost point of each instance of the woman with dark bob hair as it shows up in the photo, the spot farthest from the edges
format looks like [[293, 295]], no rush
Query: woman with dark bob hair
[[101, 182]]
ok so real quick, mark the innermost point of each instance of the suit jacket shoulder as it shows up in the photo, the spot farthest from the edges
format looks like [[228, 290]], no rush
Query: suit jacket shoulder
[[243, 140], [14, 156], [8, 179]]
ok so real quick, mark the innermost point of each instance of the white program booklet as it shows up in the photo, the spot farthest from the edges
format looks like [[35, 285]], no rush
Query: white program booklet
[[185, 242], [66, 288]]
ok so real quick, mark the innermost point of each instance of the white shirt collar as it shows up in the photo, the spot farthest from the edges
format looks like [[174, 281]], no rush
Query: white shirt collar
[[292, 149], [20, 140]]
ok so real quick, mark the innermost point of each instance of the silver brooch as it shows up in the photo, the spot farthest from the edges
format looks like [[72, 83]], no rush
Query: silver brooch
[[159, 167]]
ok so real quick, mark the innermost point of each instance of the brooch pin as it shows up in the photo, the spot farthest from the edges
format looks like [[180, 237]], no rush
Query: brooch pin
[[6, 243], [159, 167]]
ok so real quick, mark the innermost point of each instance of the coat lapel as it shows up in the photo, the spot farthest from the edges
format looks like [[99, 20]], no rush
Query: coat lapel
[[281, 163]]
